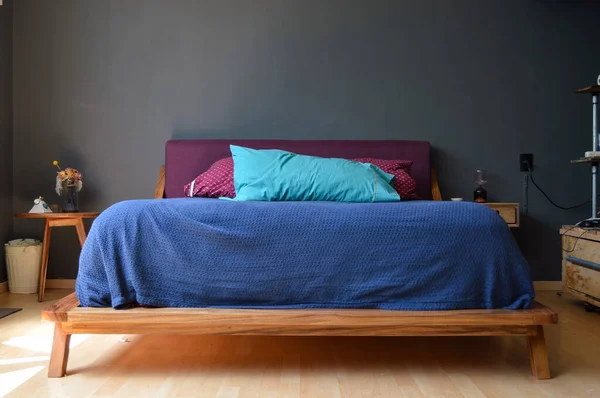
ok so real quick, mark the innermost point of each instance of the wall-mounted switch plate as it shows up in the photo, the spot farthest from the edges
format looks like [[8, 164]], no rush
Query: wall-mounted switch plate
[[525, 158]]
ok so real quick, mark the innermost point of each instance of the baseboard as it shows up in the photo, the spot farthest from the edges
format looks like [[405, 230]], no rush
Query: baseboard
[[60, 283], [3, 286], [547, 285]]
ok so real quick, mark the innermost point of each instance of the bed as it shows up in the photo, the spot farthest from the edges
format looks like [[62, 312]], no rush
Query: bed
[[459, 296]]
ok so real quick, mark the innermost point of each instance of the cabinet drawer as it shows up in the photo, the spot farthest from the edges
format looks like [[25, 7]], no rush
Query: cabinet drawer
[[508, 211], [580, 248], [509, 215], [582, 279]]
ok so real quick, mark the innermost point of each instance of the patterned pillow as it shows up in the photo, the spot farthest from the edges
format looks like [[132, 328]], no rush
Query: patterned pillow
[[216, 182], [404, 184]]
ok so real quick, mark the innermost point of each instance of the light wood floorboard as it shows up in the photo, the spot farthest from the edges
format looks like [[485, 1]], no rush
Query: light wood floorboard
[[263, 366]]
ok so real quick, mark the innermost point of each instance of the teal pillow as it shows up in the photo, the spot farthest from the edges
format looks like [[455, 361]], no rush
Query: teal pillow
[[275, 175]]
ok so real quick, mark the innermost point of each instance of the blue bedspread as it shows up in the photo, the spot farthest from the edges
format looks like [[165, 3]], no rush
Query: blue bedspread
[[416, 255]]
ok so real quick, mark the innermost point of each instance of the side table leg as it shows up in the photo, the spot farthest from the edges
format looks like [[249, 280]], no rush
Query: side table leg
[[45, 255], [80, 228]]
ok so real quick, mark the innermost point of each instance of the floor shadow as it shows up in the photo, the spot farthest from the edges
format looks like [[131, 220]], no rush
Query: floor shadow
[[157, 354]]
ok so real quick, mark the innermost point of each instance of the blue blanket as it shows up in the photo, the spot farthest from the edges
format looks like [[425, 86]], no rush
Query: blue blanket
[[417, 255]]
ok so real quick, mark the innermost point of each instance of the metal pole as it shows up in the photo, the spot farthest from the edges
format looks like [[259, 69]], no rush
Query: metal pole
[[594, 122], [594, 188], [595, 164]]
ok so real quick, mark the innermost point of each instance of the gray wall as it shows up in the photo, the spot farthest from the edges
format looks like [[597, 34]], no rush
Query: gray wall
[[6, 130], [102, 85]]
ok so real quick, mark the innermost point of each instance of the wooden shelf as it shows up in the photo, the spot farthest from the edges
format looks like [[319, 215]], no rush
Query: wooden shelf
[[588, 90], [594, 159]]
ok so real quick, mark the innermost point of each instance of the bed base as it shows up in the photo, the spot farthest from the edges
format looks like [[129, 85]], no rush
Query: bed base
[[71, 319]]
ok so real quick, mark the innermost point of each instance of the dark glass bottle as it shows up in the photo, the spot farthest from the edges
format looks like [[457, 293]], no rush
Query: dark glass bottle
[[480, 195]]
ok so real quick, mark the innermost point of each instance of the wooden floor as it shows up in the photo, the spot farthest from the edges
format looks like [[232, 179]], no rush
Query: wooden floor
[[242, 366]]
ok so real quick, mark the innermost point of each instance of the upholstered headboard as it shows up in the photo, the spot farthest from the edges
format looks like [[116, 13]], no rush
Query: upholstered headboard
[[185, 159]]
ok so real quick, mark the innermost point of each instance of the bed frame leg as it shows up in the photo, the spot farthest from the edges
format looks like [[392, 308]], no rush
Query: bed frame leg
[[538, 353], [60, 352]]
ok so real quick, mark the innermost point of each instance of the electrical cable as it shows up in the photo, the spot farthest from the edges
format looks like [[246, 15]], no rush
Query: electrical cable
[[552, 202], [586, 230], [576, 238], [548, 198]]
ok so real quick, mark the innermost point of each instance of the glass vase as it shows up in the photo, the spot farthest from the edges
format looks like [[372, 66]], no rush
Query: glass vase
[[480, 195], [70, 199]]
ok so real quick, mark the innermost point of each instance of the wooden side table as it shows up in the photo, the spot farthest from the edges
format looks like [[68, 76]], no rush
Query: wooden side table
[[56, 220]]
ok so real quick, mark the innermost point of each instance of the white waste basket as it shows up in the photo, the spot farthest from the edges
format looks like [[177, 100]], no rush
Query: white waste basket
[[23, 263]]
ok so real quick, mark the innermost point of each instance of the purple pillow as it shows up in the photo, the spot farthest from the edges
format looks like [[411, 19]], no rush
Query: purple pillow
[[216, 182]]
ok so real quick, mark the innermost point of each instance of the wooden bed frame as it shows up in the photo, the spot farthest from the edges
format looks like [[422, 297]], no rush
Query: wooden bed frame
[[70, 319]]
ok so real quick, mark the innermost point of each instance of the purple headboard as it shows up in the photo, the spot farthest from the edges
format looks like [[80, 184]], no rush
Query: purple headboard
[[186, 159]]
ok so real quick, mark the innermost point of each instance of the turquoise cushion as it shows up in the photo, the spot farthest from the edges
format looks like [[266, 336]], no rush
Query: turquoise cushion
[[275, 175]]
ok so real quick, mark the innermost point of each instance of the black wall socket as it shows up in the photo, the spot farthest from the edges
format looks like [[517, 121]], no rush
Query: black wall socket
[[525, 158]]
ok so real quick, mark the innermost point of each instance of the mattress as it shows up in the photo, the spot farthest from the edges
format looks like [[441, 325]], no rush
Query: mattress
[[192, 252]]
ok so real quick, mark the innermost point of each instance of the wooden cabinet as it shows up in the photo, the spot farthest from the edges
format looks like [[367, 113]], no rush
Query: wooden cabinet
[[508, 211], [581, 263]]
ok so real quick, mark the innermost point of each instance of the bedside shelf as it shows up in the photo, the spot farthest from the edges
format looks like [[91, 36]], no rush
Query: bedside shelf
[[592, 160], [595, 159], [588, 89]]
